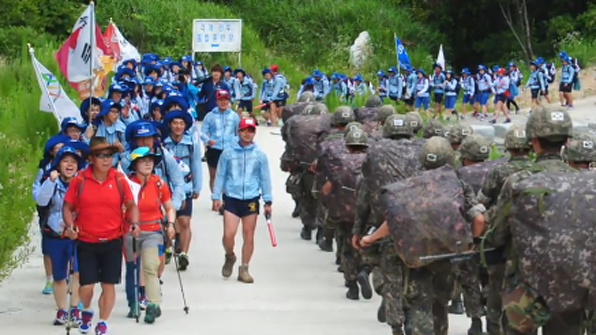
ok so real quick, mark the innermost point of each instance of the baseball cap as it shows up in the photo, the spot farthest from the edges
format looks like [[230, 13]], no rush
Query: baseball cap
[[222, 94], [274, 68], [247, 123]]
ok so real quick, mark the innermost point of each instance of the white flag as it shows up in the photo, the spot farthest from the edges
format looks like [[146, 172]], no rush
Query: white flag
[[441, 58], [53, 97], [127, 50], [84, 57]]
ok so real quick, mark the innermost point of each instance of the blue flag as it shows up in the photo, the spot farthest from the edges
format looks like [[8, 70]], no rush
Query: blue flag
[[402, 54]]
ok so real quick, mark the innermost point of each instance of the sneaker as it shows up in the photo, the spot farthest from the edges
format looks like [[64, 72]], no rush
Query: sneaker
[[61, 318], [228, 267], [48, 289], [143, 303], [183, 261], [75, 317], [244, 276], [507, 121], [152, 313], [101, 328], [86, 322]]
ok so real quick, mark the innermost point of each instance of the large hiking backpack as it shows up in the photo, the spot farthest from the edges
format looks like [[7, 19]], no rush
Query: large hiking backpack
[[388, 161], [554, 236], [293, 109], [303, 134], [475, 174], [425, 215], [368, 117]]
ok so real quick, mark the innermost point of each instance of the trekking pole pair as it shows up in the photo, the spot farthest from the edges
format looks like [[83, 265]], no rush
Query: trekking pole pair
[[73, 258]]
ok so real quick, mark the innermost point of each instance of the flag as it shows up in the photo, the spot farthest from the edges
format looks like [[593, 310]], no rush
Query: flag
[[402, 54], [120, 46], [53, 97], [441, 57], [81, 58]]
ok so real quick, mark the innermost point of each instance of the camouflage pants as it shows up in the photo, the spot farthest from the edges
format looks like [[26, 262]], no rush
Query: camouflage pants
[[340, 241], [429, 289], [570, 323], [350, 258], [590, 323], [308, 204], [293, 186], [392, 287], [327, 224], [494, 305], [469, 273]]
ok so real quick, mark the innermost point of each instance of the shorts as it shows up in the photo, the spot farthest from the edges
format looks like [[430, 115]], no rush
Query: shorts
[[187, 211], [278, 103], [545, 92], [212, 157], [146, 240], [501, 97], [535, 92], [438, 98], [482, 98], [61, 252], [394, 98], [241, 208], [450, 101], [409, 102], [422, 101], [44, 250], [468, 99], [161, 250], [100, 262], [565, 89], [246, 105]]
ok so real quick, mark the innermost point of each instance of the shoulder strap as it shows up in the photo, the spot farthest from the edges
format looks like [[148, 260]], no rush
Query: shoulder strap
[[81, 185], [119, 178]]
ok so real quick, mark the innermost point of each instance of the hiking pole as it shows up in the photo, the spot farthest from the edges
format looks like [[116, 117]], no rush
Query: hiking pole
[[181, 285], [135, 273], [70, 285], [271, 231]]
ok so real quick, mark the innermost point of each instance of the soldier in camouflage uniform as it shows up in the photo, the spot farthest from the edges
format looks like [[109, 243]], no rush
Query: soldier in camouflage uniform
[[432, 128], [474, 149], [415, 121], [518, 147], [580, 151], [547, 129], [388, 276]]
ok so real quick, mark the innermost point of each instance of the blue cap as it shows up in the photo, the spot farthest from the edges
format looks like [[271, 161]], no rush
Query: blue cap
[[421, 71], [106, 106], [78, 145], [265, 71], [148, 81], [227, 69], [392, 70], [481, 67], [178, 114], [130, 61], [143, 152], [239, 70], [117, 88], [156, 104], [562, 54], [152, 68], [539, 60], [172, 98], [496, 68], [140, 129], [172, 64], [317, 74], [437, 65], [85, 104], [68, 151], [71, 122], [53, 141], [186, 58], [358, 78], [124, 72], [381, 73]]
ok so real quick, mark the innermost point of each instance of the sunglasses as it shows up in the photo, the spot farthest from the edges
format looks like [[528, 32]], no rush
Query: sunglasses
[[104, 156], [250, 130]]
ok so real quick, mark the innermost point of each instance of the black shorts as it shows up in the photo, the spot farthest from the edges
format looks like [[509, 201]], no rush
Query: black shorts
[[100, 262], [545, 92], [501, 97], [409, 102], [565, 89], [241, 208], [394, 98], [245, 105], [535, 92], [278, 103], [212, 156], [187, 211], [438, 98]]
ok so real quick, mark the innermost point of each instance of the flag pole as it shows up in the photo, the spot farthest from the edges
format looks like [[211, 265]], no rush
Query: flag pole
[[396, 52], [93, 51], [44, 87]]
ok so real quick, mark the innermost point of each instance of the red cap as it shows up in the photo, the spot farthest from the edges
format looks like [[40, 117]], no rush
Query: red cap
[[222, 94], [274, 68], [247, 123], [501, 71]]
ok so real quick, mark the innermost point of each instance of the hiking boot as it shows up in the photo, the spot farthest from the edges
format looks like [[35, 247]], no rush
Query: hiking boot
[[183, 262], [337, 260], [101, 328], [86, 322], [151, 313], [296, 211], [319, 236], [381, 316], [364, 282], [353, 293], [244, 276], [346, 283], [306, 234], [340, 269], [476, 327], [326, 244], [407, 322], [456, 307], [397, 330], [61, 318], [228, 267]]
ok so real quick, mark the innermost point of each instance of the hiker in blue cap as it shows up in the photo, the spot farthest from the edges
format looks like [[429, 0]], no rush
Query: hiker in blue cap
[[394, 84], [71, 127], [566, 83], [207, 98], [437, 82], [502, 87], [186, 63], [307, 85], [360, 88], [450, 86], [382, 87], [187, 152], [270, 98], [50, 197], [51, 148], [155, 111], [245, 93], [410, 87], [339, 88], [89, 109], [515, 77], [485, 87], [147, 88], [152, 71], [321, 85], [468, 84], [188, 91], [283, 82], [158, 91], [543, 67], [108, 125], [230, 80], [200, 72], [422, 92], [536, 83]]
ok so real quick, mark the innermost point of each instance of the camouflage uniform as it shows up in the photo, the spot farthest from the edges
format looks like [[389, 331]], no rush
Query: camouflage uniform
[[432, 128], [515, 138], [524, 311], [430, 287]]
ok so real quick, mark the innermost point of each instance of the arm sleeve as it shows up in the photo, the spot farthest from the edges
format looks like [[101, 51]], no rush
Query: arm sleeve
[[265, 178], [222, 171], [196, 167], [206, 129], [36, 184], [363, 207], [46, 192]]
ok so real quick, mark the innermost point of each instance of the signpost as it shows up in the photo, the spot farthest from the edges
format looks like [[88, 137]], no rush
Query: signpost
[[217, 35]]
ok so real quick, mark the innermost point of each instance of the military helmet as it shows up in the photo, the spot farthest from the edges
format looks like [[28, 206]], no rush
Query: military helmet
[[432, 128], [356, 137], [475, 148], [515, 138], [581, 148], [315, 109], [307, 97], [343, 115], [396, 125], [384, 112], [458, 132], [354, 125], [436, 152], [415, 121], [550, 123], [373, 101]]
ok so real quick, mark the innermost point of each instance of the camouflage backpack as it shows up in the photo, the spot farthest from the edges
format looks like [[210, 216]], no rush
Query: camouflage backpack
[[424, 214], [304, 132], [475, 174], [368, 117], [294, 109]]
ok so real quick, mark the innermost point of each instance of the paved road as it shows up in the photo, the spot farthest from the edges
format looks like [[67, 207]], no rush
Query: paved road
[[297, 290]]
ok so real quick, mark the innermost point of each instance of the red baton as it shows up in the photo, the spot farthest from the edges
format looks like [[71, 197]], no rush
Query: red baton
[[271, 231]]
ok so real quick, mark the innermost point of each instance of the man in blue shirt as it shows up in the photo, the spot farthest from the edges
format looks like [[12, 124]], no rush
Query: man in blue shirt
[[207, 97]]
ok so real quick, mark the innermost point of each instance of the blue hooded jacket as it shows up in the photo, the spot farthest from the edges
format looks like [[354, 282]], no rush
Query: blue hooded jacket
[[220, 127], [189, 153]]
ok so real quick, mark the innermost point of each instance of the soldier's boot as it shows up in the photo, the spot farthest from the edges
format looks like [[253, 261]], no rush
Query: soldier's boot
[[306, 233], [337, 260], [340, 269], [493, 329], [296, 211], [457, 306], [476, 327], [381, 316], [346, 283], [407, 322], [353, 293], [326, 244], [319, 235], [397, 330], [363, 279]]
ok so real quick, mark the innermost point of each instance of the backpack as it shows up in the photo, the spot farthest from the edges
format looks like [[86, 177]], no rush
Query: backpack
[[549, 78], [474, 174], [457, 87], [552, 226], [425, 215], [368, 117], [304, 132], [44, 215]]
